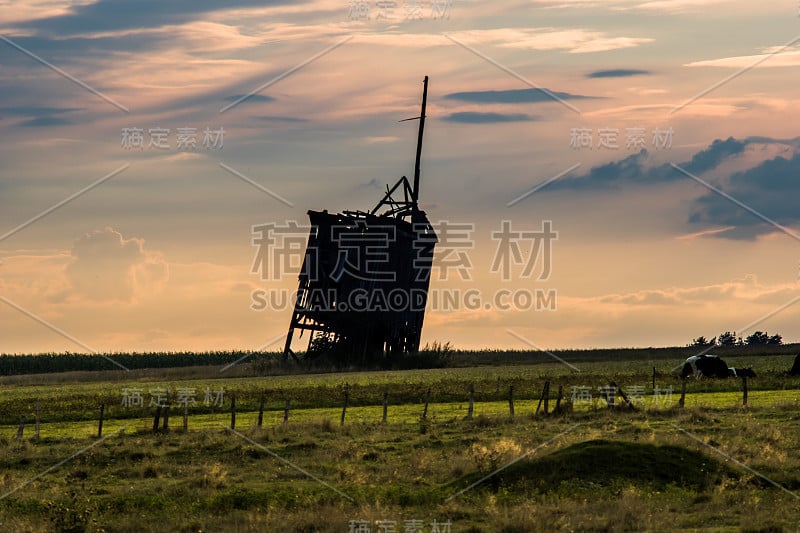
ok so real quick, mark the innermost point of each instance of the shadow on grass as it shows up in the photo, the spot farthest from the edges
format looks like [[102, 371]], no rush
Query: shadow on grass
[[605, 464]]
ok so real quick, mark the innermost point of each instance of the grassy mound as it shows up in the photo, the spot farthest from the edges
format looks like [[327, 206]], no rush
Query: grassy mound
[[611, 464]]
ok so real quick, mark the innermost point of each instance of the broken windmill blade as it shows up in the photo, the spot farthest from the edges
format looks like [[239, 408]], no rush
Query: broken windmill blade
[[360, 308]]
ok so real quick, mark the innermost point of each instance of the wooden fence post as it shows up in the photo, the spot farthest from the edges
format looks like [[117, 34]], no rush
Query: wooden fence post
[[157, 418], [470, 409], [427, 399], [541, 398], [623, 395], [346, 401], [261, 410], [185, 416], [385, 404], [744, 390], [654, 378], [37, 420], [546, 395], [166, 418], [99, 423], [683, 393], [233, 411], [511, 400], [21, 428], [286, 412], [559, 398]]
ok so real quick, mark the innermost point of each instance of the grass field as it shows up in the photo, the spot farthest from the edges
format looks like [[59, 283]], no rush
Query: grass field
[[713, 465]]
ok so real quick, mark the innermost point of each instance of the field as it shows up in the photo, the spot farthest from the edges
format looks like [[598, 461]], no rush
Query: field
[[712, 465]]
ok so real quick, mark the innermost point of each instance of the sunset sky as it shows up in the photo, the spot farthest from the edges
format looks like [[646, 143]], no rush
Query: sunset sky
[[681, 219]]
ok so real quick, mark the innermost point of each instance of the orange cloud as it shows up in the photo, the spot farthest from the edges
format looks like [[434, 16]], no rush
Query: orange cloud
[[107, 266]]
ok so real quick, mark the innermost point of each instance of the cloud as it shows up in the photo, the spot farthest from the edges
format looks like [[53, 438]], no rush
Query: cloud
[[769, 185], [771, 188], [632, 170], [251, 97], [470, 117], [116, 15], [678, 6], [573, 40], [617, 73], [36, 111], [381, 140], [269, 118], [746, 289], [106, 266], [703, 233], [46, 121], [635, 169], [769, 59], [39, 115], [712, 156], [514, 96]]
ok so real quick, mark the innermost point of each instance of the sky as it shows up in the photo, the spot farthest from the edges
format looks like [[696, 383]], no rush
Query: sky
[[145, 143]]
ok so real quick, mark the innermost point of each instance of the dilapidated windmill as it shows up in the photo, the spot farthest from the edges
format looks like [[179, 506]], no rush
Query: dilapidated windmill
[[365, 277]]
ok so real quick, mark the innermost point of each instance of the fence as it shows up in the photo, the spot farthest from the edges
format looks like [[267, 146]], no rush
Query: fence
[[609, 394]]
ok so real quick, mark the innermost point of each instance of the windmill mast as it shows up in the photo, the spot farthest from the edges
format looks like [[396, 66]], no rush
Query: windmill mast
[[415, 190]]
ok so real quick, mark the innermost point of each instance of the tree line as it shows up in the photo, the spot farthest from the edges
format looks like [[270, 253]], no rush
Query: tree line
[[758, 338]]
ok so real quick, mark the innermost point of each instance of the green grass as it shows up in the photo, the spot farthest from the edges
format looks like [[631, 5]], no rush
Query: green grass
[[656, 468], [623, 470], [80, 401]]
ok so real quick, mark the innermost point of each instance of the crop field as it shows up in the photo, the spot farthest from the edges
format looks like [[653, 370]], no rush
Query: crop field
[[713, 464]]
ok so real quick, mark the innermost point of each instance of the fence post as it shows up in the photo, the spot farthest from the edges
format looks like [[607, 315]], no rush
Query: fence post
[[346, 401], [511, 400], [427, 398], [233, 411], [744, 390], [286, 412], [21, 428], [623, 395], [385, 404], [470, 409], [166, 417], [157, 418], [99, 424], [541, 399], [185, 416], [37, 420], [546, 394], [654, 378], [683, 393], [559, 398], [497, 390], [261, 410]]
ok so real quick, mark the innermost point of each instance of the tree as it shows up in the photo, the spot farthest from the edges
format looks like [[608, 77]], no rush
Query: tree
[[776, 340], [727, 339], [701, 341], [759, 338]]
